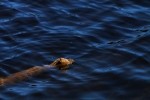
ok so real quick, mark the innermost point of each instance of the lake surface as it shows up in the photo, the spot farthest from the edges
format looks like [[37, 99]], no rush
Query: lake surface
[[109, 40]]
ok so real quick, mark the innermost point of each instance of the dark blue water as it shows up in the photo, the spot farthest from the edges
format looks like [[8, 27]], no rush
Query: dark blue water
[[109, 39]]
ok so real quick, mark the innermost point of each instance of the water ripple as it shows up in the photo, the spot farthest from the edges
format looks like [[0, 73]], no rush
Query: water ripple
[[109, 40]]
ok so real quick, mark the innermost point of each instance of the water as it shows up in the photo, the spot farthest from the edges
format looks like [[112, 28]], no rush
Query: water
[[109, 39]]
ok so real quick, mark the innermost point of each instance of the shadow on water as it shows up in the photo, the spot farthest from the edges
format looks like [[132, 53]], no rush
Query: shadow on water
[[109, 39]]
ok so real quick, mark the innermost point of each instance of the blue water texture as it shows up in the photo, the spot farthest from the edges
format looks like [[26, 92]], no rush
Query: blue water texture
[[109, 40]]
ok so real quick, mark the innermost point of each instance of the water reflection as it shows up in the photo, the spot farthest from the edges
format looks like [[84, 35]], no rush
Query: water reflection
[[109, 40]]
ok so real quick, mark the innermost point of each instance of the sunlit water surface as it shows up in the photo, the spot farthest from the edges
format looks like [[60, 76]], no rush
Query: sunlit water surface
[[109, 40]]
